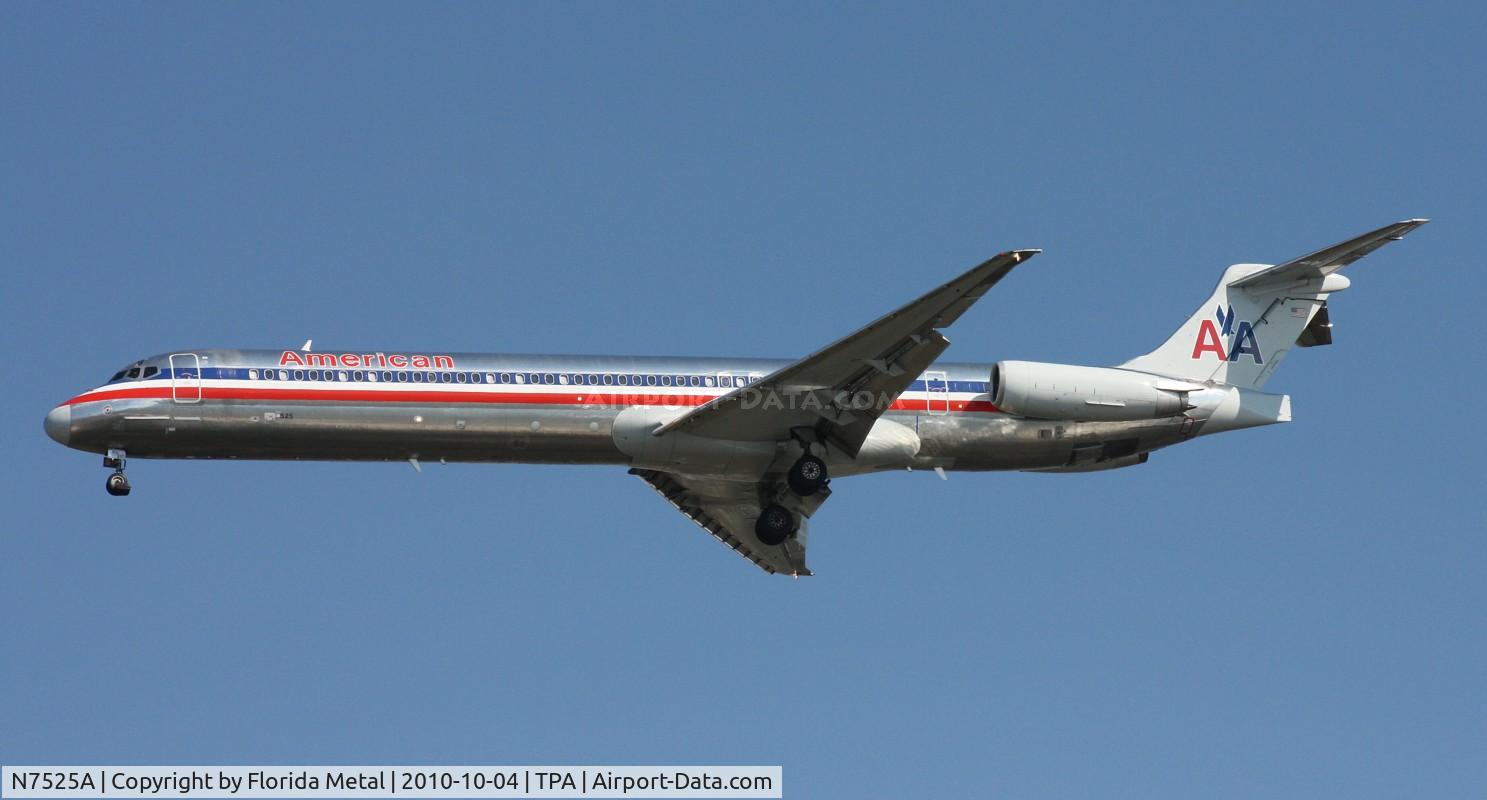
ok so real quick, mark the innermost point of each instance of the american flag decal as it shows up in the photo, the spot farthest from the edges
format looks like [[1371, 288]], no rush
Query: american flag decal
[[1298, 312]]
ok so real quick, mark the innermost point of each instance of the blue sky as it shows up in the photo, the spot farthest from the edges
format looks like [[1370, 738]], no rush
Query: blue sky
[[1287, 612]]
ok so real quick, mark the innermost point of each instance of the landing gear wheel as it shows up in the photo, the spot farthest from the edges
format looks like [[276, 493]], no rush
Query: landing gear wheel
[[807, 476], [117, 485], [775, 524]]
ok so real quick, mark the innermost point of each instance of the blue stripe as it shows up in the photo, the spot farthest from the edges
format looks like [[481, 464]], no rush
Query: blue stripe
[[241, 373]]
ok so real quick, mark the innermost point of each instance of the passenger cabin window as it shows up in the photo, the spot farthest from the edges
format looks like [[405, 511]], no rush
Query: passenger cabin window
[[252, 374]]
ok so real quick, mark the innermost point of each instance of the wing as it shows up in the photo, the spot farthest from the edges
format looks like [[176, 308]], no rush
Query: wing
[[728, 509], [840, 391], [1329, 260]]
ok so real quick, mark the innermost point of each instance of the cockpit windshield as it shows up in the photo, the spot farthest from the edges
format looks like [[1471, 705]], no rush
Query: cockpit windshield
[[134, 372]]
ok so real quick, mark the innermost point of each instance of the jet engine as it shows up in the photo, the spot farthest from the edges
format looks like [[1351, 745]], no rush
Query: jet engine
[[1096, 394]]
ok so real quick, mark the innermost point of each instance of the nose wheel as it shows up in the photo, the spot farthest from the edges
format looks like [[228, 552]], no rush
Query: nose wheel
[[117, 485]]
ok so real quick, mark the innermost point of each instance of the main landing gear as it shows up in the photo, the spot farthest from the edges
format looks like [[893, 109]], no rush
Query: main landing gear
[[775, 524], [807, 475], [117, 485]]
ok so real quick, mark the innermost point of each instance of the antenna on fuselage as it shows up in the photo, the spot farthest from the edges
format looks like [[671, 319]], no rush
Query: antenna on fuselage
[[305, 348]]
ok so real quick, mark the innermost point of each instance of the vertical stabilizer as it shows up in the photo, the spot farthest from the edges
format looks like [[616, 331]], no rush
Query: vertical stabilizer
[[1256, 314]]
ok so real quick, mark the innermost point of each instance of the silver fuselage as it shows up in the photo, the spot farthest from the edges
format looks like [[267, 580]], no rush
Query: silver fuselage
[[385, 406]]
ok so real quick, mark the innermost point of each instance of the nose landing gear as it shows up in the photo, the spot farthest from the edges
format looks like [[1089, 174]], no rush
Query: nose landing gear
[[117, 485]]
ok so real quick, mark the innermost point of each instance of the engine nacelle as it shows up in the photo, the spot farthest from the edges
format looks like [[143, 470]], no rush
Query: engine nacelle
[[1096, 394]]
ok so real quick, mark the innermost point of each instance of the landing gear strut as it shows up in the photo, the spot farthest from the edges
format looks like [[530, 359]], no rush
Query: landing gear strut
[[117, 485], [775, 524], [807, 475]]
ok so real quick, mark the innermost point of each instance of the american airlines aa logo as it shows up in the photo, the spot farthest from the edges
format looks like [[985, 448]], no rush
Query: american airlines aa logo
[[1243, 341]]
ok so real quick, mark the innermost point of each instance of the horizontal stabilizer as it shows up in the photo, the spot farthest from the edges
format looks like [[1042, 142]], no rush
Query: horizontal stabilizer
[[1258, 313], [1328, 260]]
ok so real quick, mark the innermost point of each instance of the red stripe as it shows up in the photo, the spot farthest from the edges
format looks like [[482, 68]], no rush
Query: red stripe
[[430, 397]]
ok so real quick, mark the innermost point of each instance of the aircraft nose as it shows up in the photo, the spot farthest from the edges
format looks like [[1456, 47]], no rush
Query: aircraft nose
[[59, 424]]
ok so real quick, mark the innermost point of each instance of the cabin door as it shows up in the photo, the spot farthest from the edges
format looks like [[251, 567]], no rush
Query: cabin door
[[185, 378], [936, 393]]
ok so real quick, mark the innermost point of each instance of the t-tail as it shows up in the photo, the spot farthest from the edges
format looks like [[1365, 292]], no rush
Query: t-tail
[[1258, 312]]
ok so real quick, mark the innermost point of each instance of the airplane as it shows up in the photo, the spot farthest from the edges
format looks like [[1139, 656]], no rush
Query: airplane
[[746, 448]]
